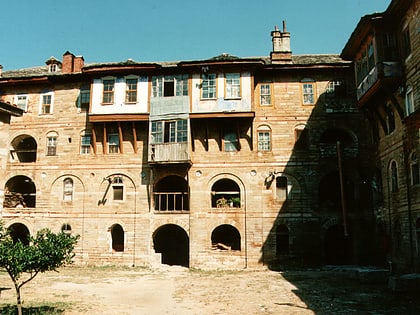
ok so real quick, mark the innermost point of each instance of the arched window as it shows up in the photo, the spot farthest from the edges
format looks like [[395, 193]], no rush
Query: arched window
[[52, 143], [225, 194], [68, 189], [171, 194], [19, 233], [282, 240], [414, 169], [117, 235], [394, 176], [24, 149], [20, 192], [226, 237], [264, 139]]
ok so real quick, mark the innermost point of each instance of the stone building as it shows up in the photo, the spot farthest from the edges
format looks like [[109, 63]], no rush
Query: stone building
[[221, 163], [385, 49]]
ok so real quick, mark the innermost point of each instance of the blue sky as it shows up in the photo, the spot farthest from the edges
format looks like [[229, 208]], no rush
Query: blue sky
[[165, 30]]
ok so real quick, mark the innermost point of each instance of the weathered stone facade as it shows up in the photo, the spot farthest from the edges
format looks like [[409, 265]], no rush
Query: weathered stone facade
[[385, 50], [221, 163]]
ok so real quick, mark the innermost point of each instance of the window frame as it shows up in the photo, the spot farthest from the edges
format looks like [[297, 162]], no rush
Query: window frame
[[311, 94], [179, 88], [131, 90], [281, 190], [82, 104], [108, 95], [46, 108], [26, 101], [113, 145], [230, 145], [264, 95], [68, 190], [208, 86], [52, 139], [233, 86], [118, 189], [393, 173], [409, 101], [85, 149], [264, 145]]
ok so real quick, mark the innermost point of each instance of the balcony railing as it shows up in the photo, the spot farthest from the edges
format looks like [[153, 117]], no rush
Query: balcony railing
[[382, 70], [169, 152], [171, 201]]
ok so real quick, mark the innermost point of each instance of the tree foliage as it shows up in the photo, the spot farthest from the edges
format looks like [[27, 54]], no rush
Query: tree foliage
[[46, 251]]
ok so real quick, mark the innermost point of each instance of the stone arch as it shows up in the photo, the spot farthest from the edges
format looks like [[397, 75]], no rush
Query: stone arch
[[171, 193], [172, 242], [24, 148], [20, 192], [226, 186], [226, 237], [19, 232], [117, 237]]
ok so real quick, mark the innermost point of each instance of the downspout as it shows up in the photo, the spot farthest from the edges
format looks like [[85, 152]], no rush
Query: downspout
[[343, 200]]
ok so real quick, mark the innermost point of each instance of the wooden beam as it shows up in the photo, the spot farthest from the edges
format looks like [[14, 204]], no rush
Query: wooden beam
[[94, 139], [120, 138], [104, 140], [133, 128]]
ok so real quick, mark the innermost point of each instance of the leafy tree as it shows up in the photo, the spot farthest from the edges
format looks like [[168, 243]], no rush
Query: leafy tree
[[46, 251]]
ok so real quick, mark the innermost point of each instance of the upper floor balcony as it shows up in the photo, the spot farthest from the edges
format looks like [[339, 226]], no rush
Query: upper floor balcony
[[384, 74], [169, 153]]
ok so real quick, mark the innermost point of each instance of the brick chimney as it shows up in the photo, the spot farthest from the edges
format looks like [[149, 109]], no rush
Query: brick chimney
[[281, 46], [72, 63]]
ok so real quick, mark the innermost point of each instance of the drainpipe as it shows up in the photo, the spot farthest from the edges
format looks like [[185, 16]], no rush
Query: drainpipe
[[343, 200]]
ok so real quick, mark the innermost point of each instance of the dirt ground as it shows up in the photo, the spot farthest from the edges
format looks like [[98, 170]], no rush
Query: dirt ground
[[177, 290]]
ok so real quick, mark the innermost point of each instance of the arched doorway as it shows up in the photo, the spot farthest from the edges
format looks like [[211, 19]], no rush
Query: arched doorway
[[338, 247], [19, 232], [173, 243], [117, 235]]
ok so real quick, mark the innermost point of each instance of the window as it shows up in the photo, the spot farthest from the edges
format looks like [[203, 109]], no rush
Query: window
[[308, 90], [264, 139], [208, 86], [68, 189], [394, 176], [84, 98], [46, 103], [415, 170], [233, 85], [230, 141], [66, 228], [131, 91], [117, 235], [409, 101], [225, 193], [22, 102], [281, 188], [51, 145], [265, 94], [167, 86], [52, 67], [85, 143], [108, 91], [113, 143], [301, 138], [169, 131], [118, 188], [336, 88], [406, 43]]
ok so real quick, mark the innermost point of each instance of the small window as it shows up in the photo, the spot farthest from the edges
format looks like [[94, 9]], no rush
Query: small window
[[233, 86], [409, 101], [281, 188], [66, 228], [22, 102], [118, 188], [394, 176], [51, 145], [108, 91], [85, 144], [264, 139], [230, 141], [113, 143], [84, 98], [46, 103], [308, 93], [131, 91], [415, 170], [265, 94], [208, 86], [169, 131], [117, 235], [68, 189], [157, 132]]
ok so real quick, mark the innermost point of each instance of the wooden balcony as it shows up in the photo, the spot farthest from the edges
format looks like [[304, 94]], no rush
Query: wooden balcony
[[169, 152], [384, 74]]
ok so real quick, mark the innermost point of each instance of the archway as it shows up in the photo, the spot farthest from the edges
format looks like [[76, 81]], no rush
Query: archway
[[173, 243], [226, 237], [19, 232], [24, 146], [171, 194], [338, 247], [20, 191], [117, 235]]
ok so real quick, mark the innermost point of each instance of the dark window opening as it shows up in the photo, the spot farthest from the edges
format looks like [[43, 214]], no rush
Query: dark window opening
[[225, 193], [168, 88], [301, 139], [118, 188], [226, 237], [281, 187], [66, 228], [171, 194], [172, 242], [19, 233], [282, 240], [24, 148], [117, 235], [19, 192]]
